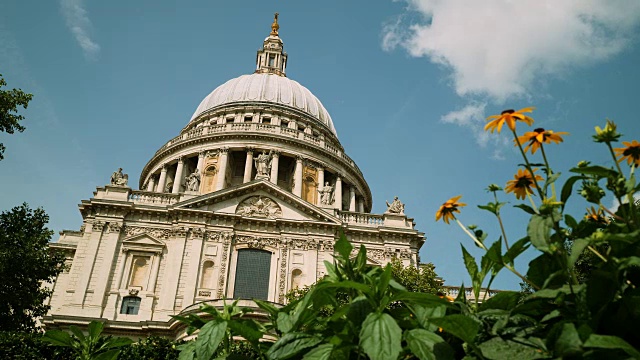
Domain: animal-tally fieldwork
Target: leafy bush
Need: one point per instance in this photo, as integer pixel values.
(29, 346)
(584, 301)
(151, 348)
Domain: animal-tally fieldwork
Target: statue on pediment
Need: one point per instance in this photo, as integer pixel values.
(396, 207)
(263, 165)
(193, 180)
(119, 179)
(326, 195)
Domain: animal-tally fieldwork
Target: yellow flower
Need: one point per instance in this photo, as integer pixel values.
(510, 117)
(596, 215)
(608, 134)
(538, 137)
(521, 183)
(448, 208)
(631, 152)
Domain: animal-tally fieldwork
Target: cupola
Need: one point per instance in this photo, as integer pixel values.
(272, 59)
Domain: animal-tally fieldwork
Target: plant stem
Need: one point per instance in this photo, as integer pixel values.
(527, 164)
(609, 212)
(549, 171)
(533, 204)
(629, 196)
(597, 253)
(504, 234)
(473, 237)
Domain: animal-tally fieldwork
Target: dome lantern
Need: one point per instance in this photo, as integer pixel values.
(272, 59)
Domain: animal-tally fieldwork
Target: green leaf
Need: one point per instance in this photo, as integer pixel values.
(343, 247)
(611, 342)
(331, 270)
(117, 342)
(567, 188)
(550, 180)
(423, 299)
(498, 348)
(361, 259)
(58, 338)
(322, 352)
(266, 306)
(95, 329)
(427, 345)
(284, 322)
(504, 300)
(599, 171)
(423, 314)
(77, 332)
(209, 338)
(516, 249)
(470, 264)
(568, 343)
(528, 209)
(291, 344)
(570, 221)
(539, 231)
(381, 337)
(187, 351)
(108, 355)
(246, 329)
(458, 325)
(576, 250)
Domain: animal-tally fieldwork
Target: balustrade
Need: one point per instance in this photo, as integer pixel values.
(362, 219)
(147, 197)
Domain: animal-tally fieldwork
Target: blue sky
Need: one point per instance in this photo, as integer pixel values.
(407, 83)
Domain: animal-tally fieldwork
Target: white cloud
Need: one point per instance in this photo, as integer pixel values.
(78, 22)
(471, 117)
(615, 204)
(500, 48)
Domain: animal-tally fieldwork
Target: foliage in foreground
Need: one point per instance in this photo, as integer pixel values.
(581, 306)
(92, 346)
(25, 264)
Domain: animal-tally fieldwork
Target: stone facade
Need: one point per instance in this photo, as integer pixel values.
(257, 177)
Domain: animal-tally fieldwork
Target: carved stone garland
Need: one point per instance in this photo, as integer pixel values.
(283, 273)
(155, 232)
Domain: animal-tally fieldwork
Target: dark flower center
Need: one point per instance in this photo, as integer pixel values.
(539, 130)
(508, 111)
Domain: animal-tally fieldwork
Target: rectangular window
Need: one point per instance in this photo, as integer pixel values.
(248, 119)
(266, 120)
(130, 305)
(272, 60)
(229, 120)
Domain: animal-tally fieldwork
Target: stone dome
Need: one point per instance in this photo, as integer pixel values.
(266, 88)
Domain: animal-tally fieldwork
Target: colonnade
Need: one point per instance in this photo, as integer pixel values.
(354, 203)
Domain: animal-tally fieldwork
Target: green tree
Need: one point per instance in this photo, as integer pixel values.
(10, 100)
(88, 347)
(26, 262)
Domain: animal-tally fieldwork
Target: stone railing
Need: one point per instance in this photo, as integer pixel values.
(148, 197)
(261, 128)
(362, 219)
(453, 291)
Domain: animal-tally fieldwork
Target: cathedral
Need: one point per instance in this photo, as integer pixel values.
(244, 203)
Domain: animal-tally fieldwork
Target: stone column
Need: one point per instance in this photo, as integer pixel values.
(361, 205)
(338, 192)
(222, 167)
(200, 161)
(297, 177)
(177, 180)
(163, 179)
(275, 160)
(152, 182)
(320, 184)
(248, 165)
(107, 251)
(153, 278)
(167, 297)
(352, 198)
(86, 266)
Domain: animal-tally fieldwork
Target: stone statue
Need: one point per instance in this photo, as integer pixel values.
(326, 194)
(119, 179)
(193, 181)
(396, 207)
(259, 206)
(263, 165)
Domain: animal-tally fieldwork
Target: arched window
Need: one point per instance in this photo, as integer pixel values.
(130, 305)
(296, 279)
(206, 280)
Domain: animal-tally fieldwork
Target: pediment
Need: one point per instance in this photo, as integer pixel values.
(259, 199)
(142, 242)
